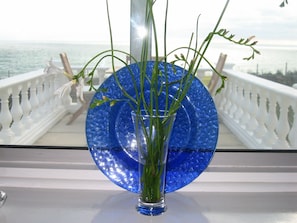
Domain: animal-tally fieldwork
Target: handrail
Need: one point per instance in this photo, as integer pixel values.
(261, 113)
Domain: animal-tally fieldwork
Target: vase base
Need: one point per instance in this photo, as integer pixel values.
(151, 209)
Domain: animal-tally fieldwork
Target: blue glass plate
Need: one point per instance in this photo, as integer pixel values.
(111, 140)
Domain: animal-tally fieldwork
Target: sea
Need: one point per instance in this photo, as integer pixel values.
(18, 57)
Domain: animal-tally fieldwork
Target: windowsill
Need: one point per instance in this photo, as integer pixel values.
(46, 185)
(229, 171)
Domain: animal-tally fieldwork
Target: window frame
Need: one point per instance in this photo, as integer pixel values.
(229, 171)
(73, 168)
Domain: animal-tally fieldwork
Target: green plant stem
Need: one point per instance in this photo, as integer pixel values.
(153, 168)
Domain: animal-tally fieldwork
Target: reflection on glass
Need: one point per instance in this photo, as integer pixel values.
(3, 197)
(258, 106)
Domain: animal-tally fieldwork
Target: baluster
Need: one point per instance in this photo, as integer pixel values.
(6, 134)
(17, 111)
(228, 103)
(26, 106)
(220, 99)
(253, 124)
(282, 128)
(245, 118)
(240, 103)
(261, 115)
(293, 132)
(41, 96)
(34, 100)
(271, 119)
(46, 94)
(49, 93)
(234, 98)
(52, 92)
(57, 84)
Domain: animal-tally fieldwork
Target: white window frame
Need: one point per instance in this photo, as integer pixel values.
(67, 168)
(229, 171)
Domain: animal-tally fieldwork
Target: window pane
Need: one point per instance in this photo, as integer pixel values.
(260, 113)
(34, 33)
(257, 113)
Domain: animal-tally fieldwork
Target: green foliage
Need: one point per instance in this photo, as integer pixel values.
(284, 3)
(289, 78)
(192, 59)
(243, 42)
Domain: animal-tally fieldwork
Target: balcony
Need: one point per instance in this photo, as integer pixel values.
(254, 113)
(236, 186)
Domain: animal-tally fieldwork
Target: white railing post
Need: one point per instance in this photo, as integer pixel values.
(234, 95)
(50, 92)
(221, 98)
(282, 128)
(34, 99)
(6, 134)
(253, 124)
(245, 118)
(240, 103)
(228, 103)
(44, 95)
(270, 122)
(17, 111)
(27, 119)
(293, 133)
(261, 113)
(29, 106)
(40, 96)
(46, 92)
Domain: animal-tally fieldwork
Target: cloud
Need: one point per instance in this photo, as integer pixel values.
(86, 20)
(58, 19)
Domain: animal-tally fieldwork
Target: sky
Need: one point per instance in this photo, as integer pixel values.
(86, 20)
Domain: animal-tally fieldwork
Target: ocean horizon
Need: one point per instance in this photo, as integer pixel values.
(22, 57)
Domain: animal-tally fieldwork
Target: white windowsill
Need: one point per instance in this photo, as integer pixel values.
(65, 186)
(74, 169)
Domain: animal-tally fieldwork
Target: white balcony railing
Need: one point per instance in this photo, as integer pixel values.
(261, 113)
(29, 106)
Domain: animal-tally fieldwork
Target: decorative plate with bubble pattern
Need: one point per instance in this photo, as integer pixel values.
(111, 139)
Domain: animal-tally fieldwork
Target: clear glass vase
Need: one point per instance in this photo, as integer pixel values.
(152, 134)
